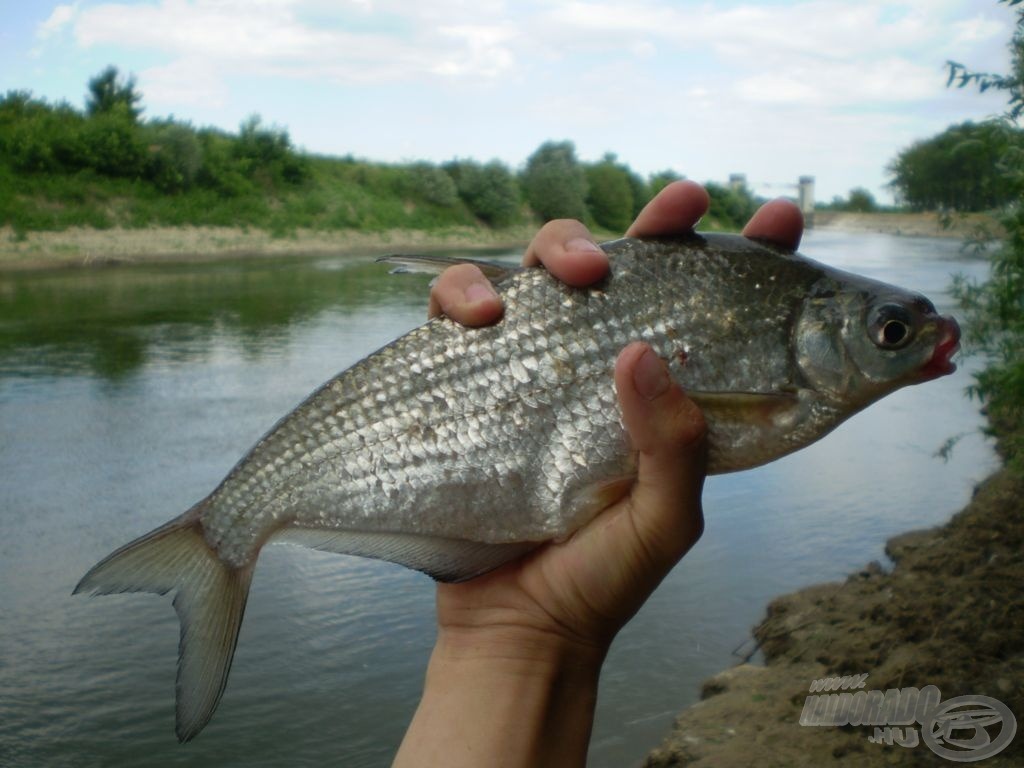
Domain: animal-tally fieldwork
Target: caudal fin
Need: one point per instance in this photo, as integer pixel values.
(210, 601)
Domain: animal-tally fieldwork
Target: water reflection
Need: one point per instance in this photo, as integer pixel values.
(109, 321)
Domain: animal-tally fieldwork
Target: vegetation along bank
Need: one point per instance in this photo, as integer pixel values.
(950, 612)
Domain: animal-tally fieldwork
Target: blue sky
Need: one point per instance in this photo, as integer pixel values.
(831, 88)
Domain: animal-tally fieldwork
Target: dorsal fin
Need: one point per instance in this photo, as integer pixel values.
(434, 265)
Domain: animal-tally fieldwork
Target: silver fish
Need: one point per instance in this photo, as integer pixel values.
(453, 450)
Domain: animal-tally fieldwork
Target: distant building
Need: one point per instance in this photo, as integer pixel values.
(805, 199)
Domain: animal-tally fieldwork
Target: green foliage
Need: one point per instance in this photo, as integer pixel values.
(610, 194)
(861, 201)
(38, 138)
(174, 155)
(995, 307)
(1012, 84)
(103, 167)
(266, 155)
(959, 169)
(427, 183)
(554, 182)
(731, 208)
(112, 145)
(489, 191)
(109, 93)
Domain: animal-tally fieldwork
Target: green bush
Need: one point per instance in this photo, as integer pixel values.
(112, 145)
(427, 183)
(554, 182)
(732, 208)
(174, 155)
(610, 194)
(265, 154)
(995, 307)
(489, 191)
(959, 169)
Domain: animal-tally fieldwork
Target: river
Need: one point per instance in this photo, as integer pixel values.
(126, 393)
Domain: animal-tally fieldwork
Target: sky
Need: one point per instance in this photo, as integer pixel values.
(775, 90)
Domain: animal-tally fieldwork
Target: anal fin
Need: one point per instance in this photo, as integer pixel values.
(441, 558)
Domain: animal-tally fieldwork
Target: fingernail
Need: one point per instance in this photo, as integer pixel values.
(650, 376)
(477, 292)
(581, 244)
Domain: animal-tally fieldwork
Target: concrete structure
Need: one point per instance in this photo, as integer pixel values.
(805, 199)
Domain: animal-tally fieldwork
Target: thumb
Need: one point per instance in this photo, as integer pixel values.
(667, 431)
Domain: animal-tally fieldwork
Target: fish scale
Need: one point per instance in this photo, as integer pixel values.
(453, 450)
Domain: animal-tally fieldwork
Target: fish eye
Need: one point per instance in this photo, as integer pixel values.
(891, 327)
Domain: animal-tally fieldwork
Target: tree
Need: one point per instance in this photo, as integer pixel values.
(995, 307)
(554, 182)
(732, 207)
(489, 191)
(610, 194)
(427, 182)
(109, 93)
(265, 153)
(959, 169)
(861, 201)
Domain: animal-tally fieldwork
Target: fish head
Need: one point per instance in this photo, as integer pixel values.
(858, 342)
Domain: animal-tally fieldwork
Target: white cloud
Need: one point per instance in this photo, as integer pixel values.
(479, 50)
(60, 18)
(807, 51)
(828, 84)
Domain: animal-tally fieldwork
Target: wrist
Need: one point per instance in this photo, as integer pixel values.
(503, 691)
(517, 647)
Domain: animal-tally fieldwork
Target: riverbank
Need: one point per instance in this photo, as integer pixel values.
(84, 246)
(950, 613)
(924, 224)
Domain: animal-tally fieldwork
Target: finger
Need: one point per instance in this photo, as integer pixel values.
(778, 221)
(674, 210)
(667, 430)
(465, 295)
(567, 250)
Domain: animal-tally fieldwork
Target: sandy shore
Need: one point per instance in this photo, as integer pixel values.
(85, 247)
(907, 224)
(950, 613)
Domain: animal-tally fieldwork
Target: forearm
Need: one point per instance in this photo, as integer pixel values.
(505, 701)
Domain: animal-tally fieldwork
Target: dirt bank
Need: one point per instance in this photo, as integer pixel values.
(950, 613)
(84, 246)
(908, 224)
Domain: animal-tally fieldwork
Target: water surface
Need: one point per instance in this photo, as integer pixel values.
(126, 393)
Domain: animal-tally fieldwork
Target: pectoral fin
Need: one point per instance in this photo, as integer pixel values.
(745, 407)
(435, 265)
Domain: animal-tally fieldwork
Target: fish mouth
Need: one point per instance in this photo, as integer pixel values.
(941, 362)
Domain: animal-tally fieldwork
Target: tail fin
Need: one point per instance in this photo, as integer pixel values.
(210, 602)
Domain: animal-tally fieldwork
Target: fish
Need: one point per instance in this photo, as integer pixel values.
(454, 450)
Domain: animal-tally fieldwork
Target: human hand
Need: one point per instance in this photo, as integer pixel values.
(586, 588)
(513, 676)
